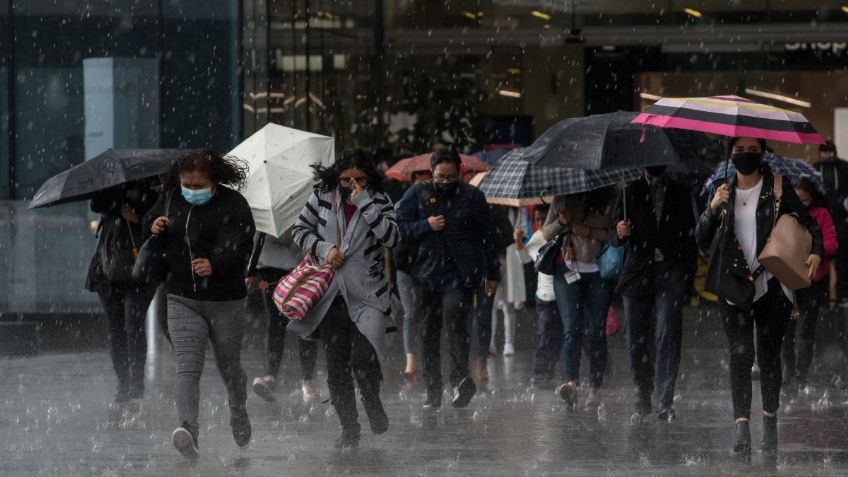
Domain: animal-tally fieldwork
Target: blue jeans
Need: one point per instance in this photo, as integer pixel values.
(583, 308)
(653, 327)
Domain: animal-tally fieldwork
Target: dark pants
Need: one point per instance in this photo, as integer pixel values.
(583, 307)
(549, 333)
(275, 332)
(840, 264)
(796, 365)
(450, 307)
(770, 313)
(483, 312)
(653, 327)
(126, 309)
(350, 357)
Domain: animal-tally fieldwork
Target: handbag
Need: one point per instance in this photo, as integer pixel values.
(788, 246)
(150, 265)
(546, 260)
(117, 254)
(610, 261)
(301, 289)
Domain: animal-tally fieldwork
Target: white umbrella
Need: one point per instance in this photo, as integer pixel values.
(280, 177)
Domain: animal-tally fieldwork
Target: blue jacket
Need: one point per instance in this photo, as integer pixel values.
(465, 252)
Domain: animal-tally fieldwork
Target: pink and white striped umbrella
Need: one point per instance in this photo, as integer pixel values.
(731, 116)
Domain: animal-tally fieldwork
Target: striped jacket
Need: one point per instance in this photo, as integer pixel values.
(361, 281)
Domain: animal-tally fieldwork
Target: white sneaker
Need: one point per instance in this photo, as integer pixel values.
(509, 349)
(264, 387)
(184, 442)
(310, 391)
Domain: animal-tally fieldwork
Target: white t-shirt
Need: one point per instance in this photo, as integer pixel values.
(545, 283)
(745, 224)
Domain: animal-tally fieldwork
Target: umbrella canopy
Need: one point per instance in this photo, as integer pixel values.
(113, 167)
(405, 168)
(611, 140)
(515, 181)
(280, 178)
(794, 169)
(731, 116)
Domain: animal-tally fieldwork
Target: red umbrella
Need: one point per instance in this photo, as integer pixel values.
(404, 168)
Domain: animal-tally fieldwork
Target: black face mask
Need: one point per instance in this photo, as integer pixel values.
(746, 163)
(655, 171)
(446, 188)
(345, 192)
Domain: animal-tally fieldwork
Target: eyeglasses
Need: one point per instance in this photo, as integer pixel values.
(348, 181)
(445, 179)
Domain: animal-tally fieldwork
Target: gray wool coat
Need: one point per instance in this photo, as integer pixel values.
(361, 281)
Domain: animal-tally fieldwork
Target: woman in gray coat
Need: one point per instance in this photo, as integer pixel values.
(347, 223)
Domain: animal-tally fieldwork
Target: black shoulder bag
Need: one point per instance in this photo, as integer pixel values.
(150, 265)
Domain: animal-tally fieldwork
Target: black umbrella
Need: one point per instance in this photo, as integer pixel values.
(610, 140)
(113, 167)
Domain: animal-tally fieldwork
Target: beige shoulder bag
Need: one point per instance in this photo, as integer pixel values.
(788, 246)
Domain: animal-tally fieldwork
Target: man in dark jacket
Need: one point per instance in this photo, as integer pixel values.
(450, 222)
(834, 172)
(658, 233)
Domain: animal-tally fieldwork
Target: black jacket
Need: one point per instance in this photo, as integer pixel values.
(465, 252)
(727, 260)
(115, 234)
(220, 230)
(835, 179)
(674, 235)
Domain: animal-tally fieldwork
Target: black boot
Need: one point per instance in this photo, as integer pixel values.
(349, 438)
(376, 414)
(769, 434)
(743, 438)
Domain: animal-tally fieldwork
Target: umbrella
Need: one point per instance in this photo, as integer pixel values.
(611, 140)
(794, 169)
(731, 116)
(281, 177)
(113, 167)
(404, 168)
(514, 181)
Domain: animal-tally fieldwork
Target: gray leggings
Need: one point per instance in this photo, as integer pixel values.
(408, 291)
(191, 324)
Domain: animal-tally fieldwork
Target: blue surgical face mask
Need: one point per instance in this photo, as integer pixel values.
(197, 196)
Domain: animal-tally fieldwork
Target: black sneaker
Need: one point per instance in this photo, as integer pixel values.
(376, 415)
(742, 447)
(433, 401)
(769, 434)
(463, 392)
(349, 439)
(568, 393)
(242, 432)
(186, 443)
(668, 415)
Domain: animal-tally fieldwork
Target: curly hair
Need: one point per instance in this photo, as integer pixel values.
(227, 170)
(327, 177)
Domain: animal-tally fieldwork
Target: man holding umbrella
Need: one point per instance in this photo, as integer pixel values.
(656, 225)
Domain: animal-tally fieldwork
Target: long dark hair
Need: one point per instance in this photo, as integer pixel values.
(227, 170)
(808, 186)
(327, 177)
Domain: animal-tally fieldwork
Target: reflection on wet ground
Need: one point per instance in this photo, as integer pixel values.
(54, 421)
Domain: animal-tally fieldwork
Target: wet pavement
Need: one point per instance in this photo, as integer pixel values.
(54, 421)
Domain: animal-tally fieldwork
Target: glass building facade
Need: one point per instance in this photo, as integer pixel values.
(77, 76)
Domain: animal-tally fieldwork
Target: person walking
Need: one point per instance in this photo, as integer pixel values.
(346, 223)
(511, 293)
(834, 174)
(125, 301)
(656, 226)
(583, 221)
(449, 221)
(548, 324)
(208, 233)
(809, 300)
(276, 258)
(735, 227)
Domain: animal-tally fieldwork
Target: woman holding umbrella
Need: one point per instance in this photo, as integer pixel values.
(124, 300)
(207, 230)
(736, 225)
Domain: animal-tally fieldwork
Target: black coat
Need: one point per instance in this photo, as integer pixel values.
(835, 179)
(221, 231)
(673, 235)
(727, 260)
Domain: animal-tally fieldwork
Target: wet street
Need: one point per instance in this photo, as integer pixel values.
(54, 421)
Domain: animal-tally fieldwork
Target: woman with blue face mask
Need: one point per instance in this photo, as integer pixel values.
(208, 231)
